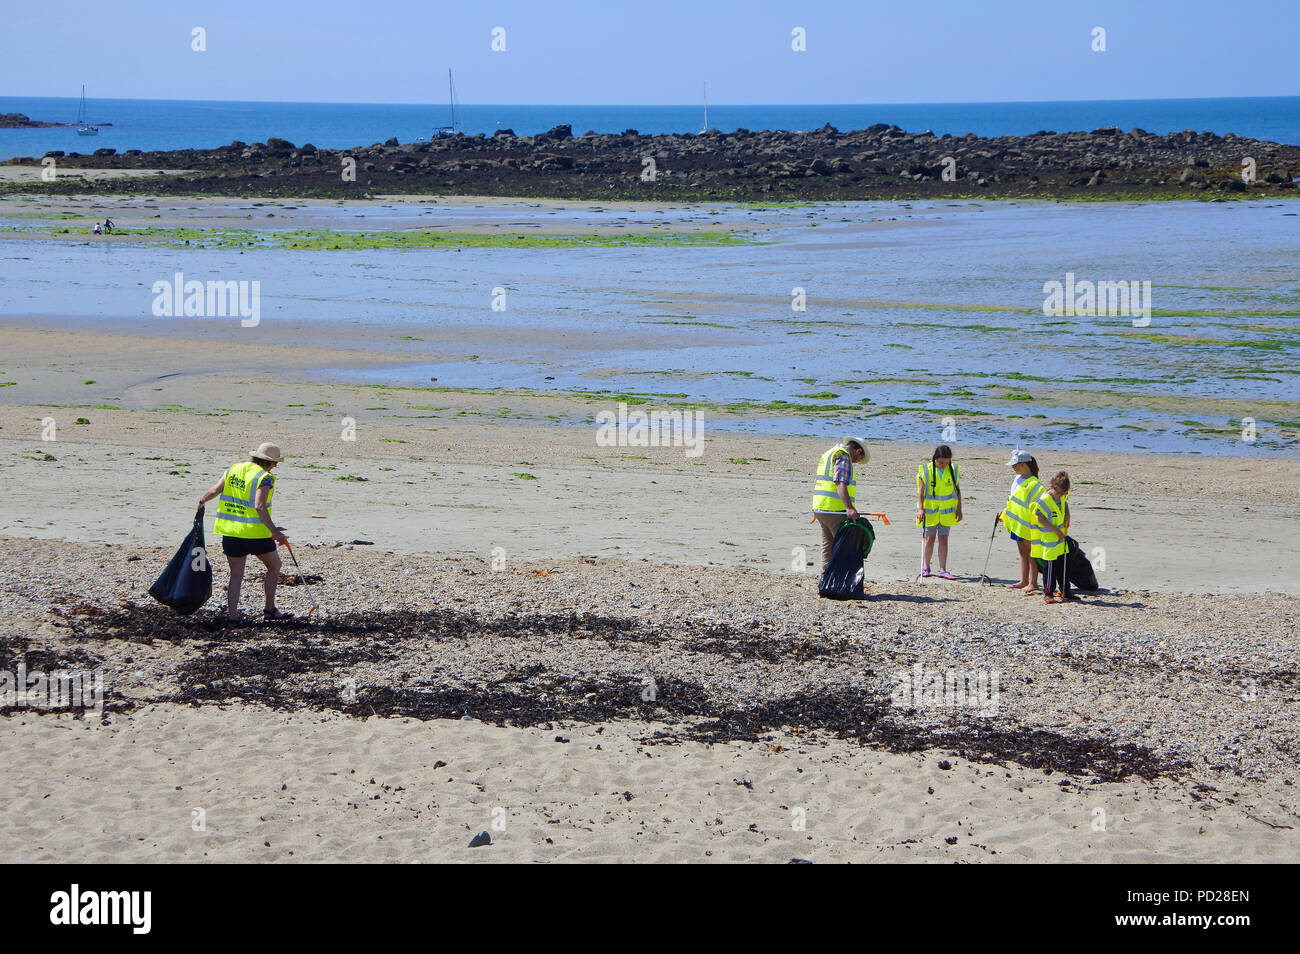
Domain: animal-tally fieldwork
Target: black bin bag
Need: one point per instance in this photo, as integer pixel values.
(186, 584)
(842, 577)
(1079, 568)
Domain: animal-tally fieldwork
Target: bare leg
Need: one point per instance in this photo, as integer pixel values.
(1033, 573)
(272, 563)
(943, 553)
(236, 582)
(1022, 546)
(929, 550)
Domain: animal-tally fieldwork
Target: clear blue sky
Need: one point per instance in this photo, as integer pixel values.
(650, 51)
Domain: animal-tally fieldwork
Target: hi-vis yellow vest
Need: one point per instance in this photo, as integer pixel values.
(824, 495)
(1045, 545)
(237, 511)
(941, 500)
(1017, 515)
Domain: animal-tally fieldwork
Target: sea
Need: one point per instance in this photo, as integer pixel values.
(916, 313)
(201, 124)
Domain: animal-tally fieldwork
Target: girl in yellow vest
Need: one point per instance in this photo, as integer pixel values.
(1017, 517)
(245, 525)
(1052, 514)
(938, 506)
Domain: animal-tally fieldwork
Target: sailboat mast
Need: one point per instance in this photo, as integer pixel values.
(451, 98)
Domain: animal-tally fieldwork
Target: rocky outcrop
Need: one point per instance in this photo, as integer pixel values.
(882, 161)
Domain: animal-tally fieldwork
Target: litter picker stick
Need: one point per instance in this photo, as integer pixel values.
(984, 573)
(921, 572)
(302, 576)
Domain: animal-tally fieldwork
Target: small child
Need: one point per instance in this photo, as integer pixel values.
(938, 506)
(1052, 513)
(1017, 517)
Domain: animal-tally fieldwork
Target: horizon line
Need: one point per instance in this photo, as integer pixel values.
(438, 104)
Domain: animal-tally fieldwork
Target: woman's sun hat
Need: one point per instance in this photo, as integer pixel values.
(268, 452)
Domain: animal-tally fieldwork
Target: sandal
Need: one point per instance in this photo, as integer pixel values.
(945, 575)
(1050, 599)
(276, 614)
(925, 571)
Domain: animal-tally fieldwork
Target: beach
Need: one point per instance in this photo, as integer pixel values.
(617, 653)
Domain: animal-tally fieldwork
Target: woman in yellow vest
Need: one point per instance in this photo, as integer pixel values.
(835, 489)
(938, 506)
(245, 524)
(1018, 519)
(1052, 515)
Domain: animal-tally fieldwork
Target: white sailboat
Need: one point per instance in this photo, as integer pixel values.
(84, 128)
(446, 132)
(705, 127)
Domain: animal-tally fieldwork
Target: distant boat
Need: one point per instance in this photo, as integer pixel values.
(705, 127)
(84, 128)
(446, 132)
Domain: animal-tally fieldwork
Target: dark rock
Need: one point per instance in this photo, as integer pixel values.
(481, 839)
(391, 141)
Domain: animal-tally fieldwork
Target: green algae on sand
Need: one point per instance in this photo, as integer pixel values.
(336, 240)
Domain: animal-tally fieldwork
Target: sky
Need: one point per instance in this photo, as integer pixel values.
(637, 52)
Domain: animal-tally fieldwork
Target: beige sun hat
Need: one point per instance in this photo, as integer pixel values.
(268, 452)
(866, 454)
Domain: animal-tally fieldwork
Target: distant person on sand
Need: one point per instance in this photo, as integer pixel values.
(835, 489)
(1018, 517)
(108, 224)
(245, 524)
(1052, 515)
(938, 506)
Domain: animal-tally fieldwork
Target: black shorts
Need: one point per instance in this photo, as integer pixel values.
(246, 546)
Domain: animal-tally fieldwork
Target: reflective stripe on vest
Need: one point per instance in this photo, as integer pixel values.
(825, 497)
(237, 508)
(941, 502)
(1016, 516)
(1045, 545)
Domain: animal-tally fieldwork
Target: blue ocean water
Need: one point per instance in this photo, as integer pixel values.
(171, 124)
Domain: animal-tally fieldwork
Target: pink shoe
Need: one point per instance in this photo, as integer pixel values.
(925, 571)
(945, 575)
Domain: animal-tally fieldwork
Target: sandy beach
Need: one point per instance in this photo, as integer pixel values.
(602, 653)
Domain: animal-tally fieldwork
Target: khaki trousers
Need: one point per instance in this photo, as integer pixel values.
(830, 524)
